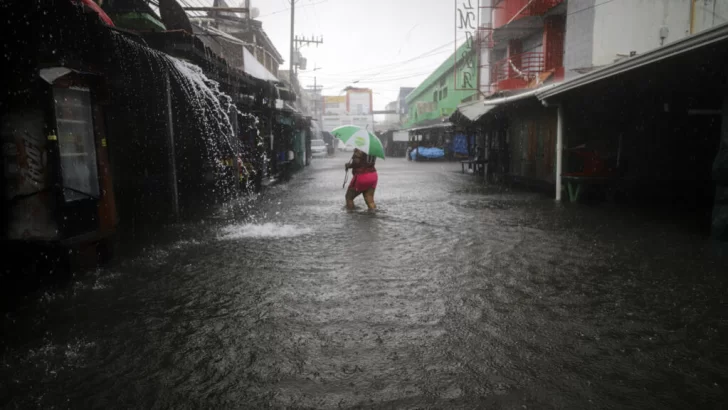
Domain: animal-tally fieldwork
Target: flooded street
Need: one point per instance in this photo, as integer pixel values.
(452, 295)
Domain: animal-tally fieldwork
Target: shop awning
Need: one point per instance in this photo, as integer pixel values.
(474, 110)
(253, 67)
(431, 127)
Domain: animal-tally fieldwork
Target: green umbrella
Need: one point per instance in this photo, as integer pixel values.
(360, 138)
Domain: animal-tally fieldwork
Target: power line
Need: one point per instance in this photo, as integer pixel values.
(315, 13)
(590, 7)
(393, 76)
(287, 9)
(400, 71)
(373, 71)
(388, 80)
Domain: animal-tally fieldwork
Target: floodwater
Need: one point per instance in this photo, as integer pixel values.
(452, 296)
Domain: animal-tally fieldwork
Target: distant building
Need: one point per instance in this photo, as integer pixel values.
(402, 106)
(392, 119)
(354, 108)
(359, 101)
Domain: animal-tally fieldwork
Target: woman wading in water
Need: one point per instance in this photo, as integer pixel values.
(364, 181)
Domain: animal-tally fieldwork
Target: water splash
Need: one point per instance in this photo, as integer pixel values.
(266, 230)
(203, 109)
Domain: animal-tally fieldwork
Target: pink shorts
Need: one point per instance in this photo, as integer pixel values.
(364, 182)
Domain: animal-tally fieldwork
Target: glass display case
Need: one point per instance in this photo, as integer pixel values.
(77, 150)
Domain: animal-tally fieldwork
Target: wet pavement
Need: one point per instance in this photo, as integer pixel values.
(452, 295)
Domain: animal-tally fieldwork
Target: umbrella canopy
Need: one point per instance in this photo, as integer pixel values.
(361, 139)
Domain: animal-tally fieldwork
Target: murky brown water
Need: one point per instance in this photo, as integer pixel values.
(451, 296)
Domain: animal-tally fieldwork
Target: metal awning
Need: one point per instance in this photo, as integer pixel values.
(430, 127)
(474, 110)
(699, 40)
(253, 67)
(520, 96)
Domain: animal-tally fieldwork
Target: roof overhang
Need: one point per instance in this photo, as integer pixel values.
(700, 40)
(474, 110)
(520, 96)
(431, 127)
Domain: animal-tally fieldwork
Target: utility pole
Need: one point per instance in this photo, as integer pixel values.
(317, 100)
(290, 62)
(298, 41)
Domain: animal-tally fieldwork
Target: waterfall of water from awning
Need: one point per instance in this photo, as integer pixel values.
(212, 108)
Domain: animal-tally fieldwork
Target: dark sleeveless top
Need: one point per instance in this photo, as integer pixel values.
(362, 163)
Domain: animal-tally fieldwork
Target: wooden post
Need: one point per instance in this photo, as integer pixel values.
(171, 151)
(559, 148)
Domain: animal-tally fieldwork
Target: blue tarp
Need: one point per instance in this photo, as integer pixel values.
(431, 153)
(459, 144)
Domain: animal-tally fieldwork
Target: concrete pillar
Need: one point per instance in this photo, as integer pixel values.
(720, 176)
(559, 149)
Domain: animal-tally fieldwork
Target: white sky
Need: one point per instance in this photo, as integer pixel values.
(364, 40)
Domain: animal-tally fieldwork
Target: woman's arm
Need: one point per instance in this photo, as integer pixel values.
(355, 162)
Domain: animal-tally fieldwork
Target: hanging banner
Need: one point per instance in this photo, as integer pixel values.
(425, 107)
(465, 59)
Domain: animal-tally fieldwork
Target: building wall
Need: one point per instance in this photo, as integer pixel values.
(579, 41)
(334, 105)
(436, 97)
(359, 102)
(598, 33)
(623, 26)
(428, 107)
(710, 13)
(392, 118)
(329, 122)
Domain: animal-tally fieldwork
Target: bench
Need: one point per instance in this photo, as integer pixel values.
(577, 184)
(478, 164)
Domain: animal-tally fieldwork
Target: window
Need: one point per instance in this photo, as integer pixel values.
(360, 109)
(434, 96)
(444, 92)
(439, 95)
(76, 143)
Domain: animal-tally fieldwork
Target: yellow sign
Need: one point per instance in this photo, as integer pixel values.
(52, 137)
(103, 142)
(334, 99)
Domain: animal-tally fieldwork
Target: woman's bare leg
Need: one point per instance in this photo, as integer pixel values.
(369, 198)
(350, 195)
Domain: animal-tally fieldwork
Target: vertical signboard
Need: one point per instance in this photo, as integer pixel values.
(465, 59)
(28, 196)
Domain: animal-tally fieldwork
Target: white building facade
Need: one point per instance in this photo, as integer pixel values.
(354, 108)
(601, 33)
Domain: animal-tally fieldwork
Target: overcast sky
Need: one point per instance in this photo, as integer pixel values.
(365, 40)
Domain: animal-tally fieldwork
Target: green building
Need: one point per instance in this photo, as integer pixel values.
(438, 96)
